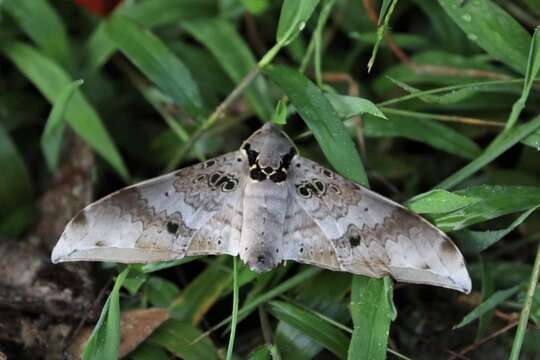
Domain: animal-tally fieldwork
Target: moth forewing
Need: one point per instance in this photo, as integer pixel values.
(268, 204)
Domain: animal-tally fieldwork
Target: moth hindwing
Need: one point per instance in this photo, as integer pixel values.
(266, 204)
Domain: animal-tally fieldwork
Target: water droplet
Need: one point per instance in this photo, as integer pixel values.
(472, 37)
(302, 25)
(466, 17)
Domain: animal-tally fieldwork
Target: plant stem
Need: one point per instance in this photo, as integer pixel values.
(246, 81)
(525, 312)
(234, 310)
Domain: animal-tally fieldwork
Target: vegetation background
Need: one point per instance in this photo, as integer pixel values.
(96, 94)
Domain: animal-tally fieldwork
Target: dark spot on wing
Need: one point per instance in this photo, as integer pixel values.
(172, 227)
(354, 241)
(100, 243)
(209, 163)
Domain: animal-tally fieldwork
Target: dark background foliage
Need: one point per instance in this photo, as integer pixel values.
(446, 122)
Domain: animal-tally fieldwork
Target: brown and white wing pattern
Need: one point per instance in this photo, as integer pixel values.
(337, 224)
(196, 210)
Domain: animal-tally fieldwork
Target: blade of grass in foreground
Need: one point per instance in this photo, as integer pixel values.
(51, 139)
(234, 318)
(372, 310)
(322, 119)
(533, 66)
(526, 310)
(264, 297)
(105, 339)
(501, 144)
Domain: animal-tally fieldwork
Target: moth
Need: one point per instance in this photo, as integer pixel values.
(267, 204)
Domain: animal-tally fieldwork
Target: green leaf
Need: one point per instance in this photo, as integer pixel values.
(105, 338)
(412, 126)
(372, 310)
(448, 98)
(260, 353)
(135, 280)
(387, 9)
(323, 121)
(326, 294)
(280, 113)
(149, 14)
(150, 268)
(492, 202)
(474, 242)
(160, 292)
(487, 25)
(51, 139)
(533, 66)
(292, 19)
(320, 330)
(51, 79)
(256, 7)
(438, 201)
(502, 143)
(286, 285)
(533, 140)
(232, 53)
(349, 106)
(148, 352)
(39, 20)
(16, 188)
(157, 62)
(490, 303)
(178, 338)
(201, 294)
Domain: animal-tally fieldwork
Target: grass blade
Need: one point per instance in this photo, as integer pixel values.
(502, 143)
(51, 139)
(292, 19)
(372, 310)
(322, 119)
(157, 62)
(16, 189)
(526, 310)
(312, 325)
(39, 20)
(50, 79)
(490, 303)
(533, 66)
(105, 338)
(179, 338)
(234, 315)
(232, 53)
(490, 27)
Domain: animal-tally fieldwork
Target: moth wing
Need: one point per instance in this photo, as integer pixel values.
(369, 234)
(161, 219)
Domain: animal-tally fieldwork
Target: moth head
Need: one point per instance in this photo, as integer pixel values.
(269, 148)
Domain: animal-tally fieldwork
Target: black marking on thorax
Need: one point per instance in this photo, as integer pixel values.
(260, 174)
